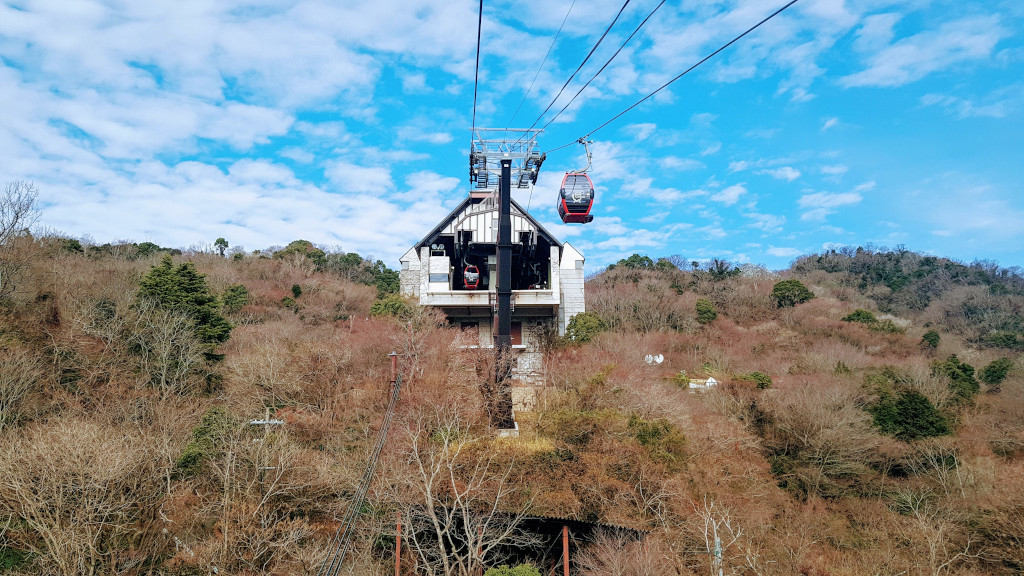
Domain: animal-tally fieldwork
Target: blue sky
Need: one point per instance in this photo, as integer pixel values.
(840, 122)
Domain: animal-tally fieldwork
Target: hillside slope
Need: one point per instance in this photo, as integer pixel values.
(843, 437)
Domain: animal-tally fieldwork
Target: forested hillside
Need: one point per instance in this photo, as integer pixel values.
(869, 418)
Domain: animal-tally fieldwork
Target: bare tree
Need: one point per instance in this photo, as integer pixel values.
(20, 371)
(939, 528)
(461, 504)
(82, 496)
(258, 482)
(616, 554)
(169, 350)
(720, 531)
(17, 214)
(825, 429)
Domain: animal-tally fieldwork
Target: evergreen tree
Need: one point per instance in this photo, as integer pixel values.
(184, 289)
(789, 293)
(706, 312)
(909, 415)
(997, 370)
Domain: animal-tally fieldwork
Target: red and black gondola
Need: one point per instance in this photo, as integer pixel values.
(471, 278)
(576, 198)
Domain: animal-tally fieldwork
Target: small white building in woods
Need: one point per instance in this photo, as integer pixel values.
(454, 268)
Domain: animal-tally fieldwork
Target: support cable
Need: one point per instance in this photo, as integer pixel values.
(598, 73)
(343, 536)
(476, 76)
(684, 73)
(544, 61)
(580, 67)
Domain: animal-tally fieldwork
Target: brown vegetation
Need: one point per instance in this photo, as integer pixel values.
(126, 444)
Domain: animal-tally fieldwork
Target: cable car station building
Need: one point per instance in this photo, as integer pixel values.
(547, 275)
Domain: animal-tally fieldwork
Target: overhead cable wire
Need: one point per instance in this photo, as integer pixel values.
(476, 76)
(598, 73)
(542, 63)
(343, 536)
(684, 73)
(580, 67)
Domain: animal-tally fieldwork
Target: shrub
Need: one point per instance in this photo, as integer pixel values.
(391, 305)
(930, 339)
(860, 315)
(706, 312)
(996, 371)
(961, 375)
(584, 326)
(762, 380)
(213, 429)
(296, 290)
(887, 326)
(789, 293)
(520, 570)
(662, 440)
(1004, 339)
(908, 415)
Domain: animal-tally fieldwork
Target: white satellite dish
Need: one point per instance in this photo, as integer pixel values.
(659, 359)
(649, 359)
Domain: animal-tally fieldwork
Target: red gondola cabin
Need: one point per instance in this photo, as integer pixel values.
(471, 278)
(576, 198)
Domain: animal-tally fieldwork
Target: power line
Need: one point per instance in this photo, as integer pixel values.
(544, 61)
(684, 73)
(580, 67)
(598, 73)
(476, 78)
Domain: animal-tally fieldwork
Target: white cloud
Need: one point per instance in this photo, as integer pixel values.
(779, 252)
(711, 148)
(641, 131)
(820, 204)
(738, 165)
(415, 83)
(730, 195)
(876, 32)
(787, 173)
(998, 104)
(420, 134)
(915, 57)
(349, 177)
(680, 164)
(703, 119)
(834, 169)
(829, 123)
(769, 223)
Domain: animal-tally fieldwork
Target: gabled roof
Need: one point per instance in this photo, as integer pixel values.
(426, 240)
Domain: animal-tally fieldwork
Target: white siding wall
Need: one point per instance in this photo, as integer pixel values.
(570, 272)
(409, 275)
